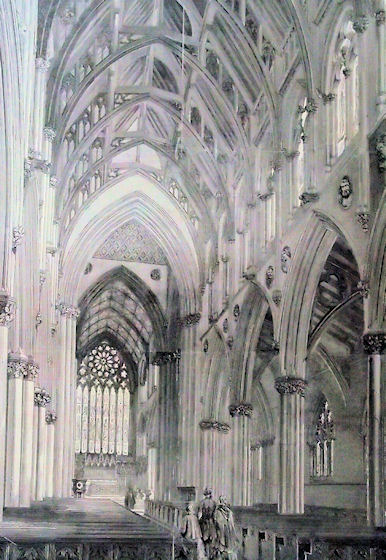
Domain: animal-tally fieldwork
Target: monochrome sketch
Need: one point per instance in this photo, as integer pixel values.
(192, 279)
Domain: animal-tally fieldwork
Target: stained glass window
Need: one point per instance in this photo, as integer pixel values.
(103, 405)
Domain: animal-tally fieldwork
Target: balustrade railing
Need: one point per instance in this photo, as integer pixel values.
(321, 533)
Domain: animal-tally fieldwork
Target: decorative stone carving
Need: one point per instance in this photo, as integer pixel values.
(326, 97)
(269, 276)
(236, 312)
(132, 242)
(363, 287)
(241, 409)
(380, 17)
(42, 65)
(262, 443)
(360, 24)
(363, 218)
(213, 318)
(51, 417)
(38, 319)
(41, 397)
(49, 133)
(308, 197)
(162, 358)
(380, 149)
(285, 259)
(230, 342)
(155, 274)
(205, 346)
(214, 425)
(189, 320)
(17, 367)
(33, 370)
(290, 385)
(225, 325)
(18, 233)
(345, 193)
(7, 310)
(374, 342)
(276, 297)
(68, 311)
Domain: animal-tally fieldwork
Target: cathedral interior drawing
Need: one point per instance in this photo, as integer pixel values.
(192, 279)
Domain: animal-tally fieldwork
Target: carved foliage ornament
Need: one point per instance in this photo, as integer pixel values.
(18, 233)
(17, 368)
(214, 425)
(374, 342)
(68, 311)
(51, 417)
(189, 320)
(7, 310)
(276, 297)
(162, 358)
(42, 397)
(290, 386)
(241, 409)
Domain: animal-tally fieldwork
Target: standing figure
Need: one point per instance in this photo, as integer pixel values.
(226, 537)
(206, 510)
(190, 529)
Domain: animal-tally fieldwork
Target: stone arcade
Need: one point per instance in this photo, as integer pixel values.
(192, 275)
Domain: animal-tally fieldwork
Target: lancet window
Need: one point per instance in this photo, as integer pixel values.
(322, 448)
(102, 404)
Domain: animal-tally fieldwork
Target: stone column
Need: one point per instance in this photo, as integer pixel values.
(27, 434)
(17, 369)
(50, 421)
(64, 444)
(241, 414)
(375, 344)
(188, 432)
(7, 314)
(42, 398)
(291, 460)
(169, 372)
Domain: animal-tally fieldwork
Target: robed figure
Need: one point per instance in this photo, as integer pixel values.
(190, 529)
(206, 510)
(226, 538)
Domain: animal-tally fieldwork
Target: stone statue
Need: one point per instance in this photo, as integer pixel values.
(345, 192)
(226, 538)
(206, 510)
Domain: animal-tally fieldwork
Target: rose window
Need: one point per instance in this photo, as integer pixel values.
(103, 405)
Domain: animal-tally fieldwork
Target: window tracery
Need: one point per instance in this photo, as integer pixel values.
(322, 447)
(102, 405)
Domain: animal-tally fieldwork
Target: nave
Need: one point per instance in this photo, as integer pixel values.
(193, 271)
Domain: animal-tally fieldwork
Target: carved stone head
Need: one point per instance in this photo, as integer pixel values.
(345, 192)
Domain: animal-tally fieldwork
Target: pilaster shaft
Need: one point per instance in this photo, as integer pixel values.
(291, 459)
(375, 344)
(241, 414)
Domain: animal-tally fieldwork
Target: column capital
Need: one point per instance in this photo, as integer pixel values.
(214, 425)
(189, 320)
(42, 65)
(41, 397)
(290, 385)
(49, 133)
(17, 367)
(51, 417)
(33, 370)
(380, 17)
(241, 409)
(69, 311)
(7, 310)
(374, 342)
(162, 358)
